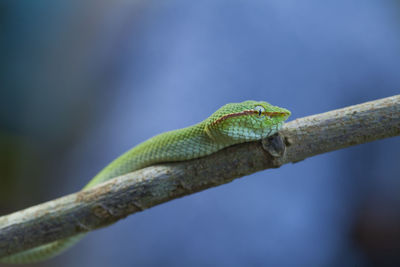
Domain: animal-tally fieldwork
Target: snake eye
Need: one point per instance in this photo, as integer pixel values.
(260, 110)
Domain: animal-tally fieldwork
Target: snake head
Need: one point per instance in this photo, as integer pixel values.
(246, 121)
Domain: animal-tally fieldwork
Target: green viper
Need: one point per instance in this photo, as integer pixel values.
(233, 123)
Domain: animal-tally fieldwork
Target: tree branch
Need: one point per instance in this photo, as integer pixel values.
(109, 202)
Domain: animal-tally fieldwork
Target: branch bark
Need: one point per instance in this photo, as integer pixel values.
(109, 202)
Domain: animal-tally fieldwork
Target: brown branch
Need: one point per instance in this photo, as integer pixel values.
(109, 202)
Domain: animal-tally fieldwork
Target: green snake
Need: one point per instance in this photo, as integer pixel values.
(231, 124)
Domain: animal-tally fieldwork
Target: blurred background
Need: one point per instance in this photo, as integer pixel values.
(82, 82)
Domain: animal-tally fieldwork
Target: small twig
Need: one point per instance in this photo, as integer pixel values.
(109, 202)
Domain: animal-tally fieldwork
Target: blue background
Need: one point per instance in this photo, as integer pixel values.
(82, 82)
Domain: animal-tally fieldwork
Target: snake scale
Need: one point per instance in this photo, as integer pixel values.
(231, 124)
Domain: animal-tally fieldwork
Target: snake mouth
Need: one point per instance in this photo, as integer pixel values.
(277, 114)
(284, 115)
(271, 114)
